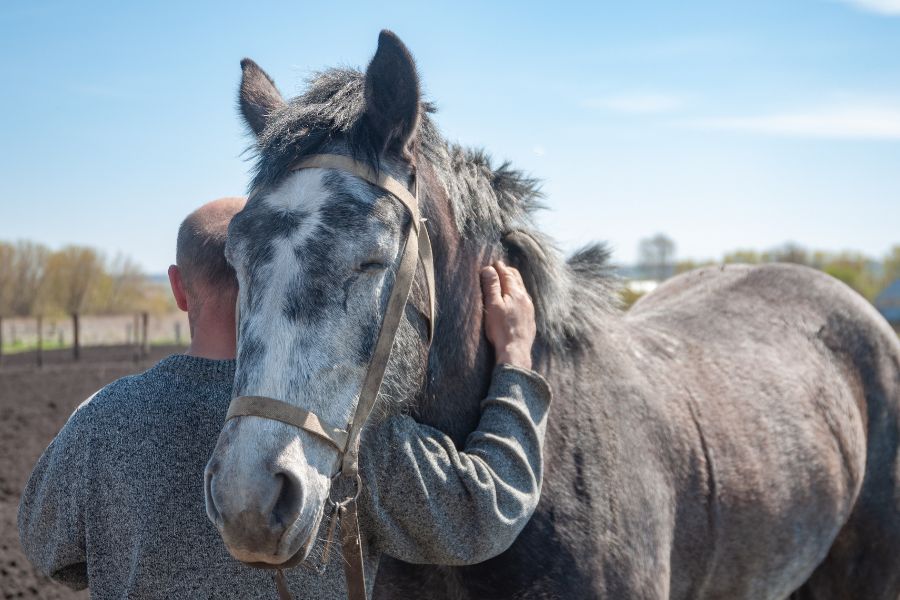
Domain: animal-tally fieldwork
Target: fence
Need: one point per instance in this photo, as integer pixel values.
(137, 331)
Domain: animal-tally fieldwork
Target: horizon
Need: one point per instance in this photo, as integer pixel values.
(725, 128)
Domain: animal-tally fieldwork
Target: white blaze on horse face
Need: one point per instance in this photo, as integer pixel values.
(315, 361)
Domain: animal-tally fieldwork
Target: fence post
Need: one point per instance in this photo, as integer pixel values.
(40, 341)
(134, 340)
(145, 339)
(1, 339)
(76, 343)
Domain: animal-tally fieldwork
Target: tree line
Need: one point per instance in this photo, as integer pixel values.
(35, 280)
(865, 274)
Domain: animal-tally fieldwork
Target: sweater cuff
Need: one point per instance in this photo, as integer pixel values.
(507, 377)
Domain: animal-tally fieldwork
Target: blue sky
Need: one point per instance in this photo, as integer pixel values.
(722, 124)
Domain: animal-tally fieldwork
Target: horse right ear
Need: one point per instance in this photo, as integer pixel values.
(258, 96)
(392, 93)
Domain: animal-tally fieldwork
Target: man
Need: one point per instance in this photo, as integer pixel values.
(116, 501)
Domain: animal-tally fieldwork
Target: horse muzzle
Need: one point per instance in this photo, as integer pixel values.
(266, 511)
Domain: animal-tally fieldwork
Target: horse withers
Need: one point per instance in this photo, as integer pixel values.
(734, 435)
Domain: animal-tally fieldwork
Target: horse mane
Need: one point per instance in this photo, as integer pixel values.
(496, 204)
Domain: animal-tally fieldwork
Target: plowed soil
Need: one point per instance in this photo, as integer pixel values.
(34, 405)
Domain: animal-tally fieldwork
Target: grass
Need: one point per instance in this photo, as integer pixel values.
(22, 346)
(53, 344)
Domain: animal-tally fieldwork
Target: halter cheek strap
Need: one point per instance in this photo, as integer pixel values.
(417, 246)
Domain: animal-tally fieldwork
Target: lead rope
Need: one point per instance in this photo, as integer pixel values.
(284, 592)
(346, 511)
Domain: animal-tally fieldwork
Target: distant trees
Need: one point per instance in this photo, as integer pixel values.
(69, 276)
(75, 279)
(747, 257)
(788, 253)
(122, 286)
(862, 273)
(891, 264)
(857, 271)
(656, 257)
(628, 296)
(7, 256)
(28, 263)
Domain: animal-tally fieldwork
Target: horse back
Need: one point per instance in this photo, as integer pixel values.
(795, 384)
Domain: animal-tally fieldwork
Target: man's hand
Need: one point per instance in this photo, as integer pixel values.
(508, 315)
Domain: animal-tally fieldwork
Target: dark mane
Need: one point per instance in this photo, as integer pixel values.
(494, 204)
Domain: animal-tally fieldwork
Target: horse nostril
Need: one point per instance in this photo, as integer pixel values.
(211, 511)
(289, 501)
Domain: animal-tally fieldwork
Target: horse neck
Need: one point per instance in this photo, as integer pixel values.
(461, 359)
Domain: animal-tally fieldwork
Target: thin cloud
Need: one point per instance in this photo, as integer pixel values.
(846, 122)
(881, 7)
(640, 103)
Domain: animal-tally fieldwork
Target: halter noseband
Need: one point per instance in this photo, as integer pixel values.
(346, 441)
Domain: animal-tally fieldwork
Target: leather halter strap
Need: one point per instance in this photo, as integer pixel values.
(418, 245)
(261, 406)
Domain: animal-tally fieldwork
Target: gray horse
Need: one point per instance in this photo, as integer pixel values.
(734, 435)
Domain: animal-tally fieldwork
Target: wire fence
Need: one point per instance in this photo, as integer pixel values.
(75, 334)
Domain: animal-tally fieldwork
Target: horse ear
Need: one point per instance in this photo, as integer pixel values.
(392, 93)
(258, 96)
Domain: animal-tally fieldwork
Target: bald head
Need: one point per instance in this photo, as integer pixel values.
(200, 251)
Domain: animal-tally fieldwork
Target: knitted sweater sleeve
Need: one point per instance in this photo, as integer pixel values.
(427, 502)
(51, 517)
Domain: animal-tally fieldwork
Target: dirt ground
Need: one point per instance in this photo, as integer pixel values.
(34, 405)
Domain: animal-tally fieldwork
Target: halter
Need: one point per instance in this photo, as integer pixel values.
(346, 440)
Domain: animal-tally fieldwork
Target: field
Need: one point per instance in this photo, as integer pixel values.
(20, 333)
(34, 405)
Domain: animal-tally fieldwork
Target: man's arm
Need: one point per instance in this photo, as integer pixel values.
(51, 518)
(434, 504)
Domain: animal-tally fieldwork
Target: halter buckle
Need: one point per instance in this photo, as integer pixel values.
(345, 493)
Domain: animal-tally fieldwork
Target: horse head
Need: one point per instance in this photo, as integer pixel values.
(316, 252)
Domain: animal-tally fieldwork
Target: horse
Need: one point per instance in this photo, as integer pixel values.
(734, 434)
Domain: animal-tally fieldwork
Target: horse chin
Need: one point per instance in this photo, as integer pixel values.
(293, 547)
(298, 541)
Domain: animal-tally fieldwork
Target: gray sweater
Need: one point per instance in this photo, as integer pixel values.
(116, 501)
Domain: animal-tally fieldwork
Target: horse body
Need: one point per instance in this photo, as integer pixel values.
(735, 430)
(712, 444)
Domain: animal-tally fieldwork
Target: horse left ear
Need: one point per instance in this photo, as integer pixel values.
(392, 93)
(258, 97)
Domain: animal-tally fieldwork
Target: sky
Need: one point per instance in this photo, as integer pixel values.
(722, 124)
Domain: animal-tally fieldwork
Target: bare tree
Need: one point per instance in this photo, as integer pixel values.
(656, 256)
(789, 253)
(891, 266)
(71, 273)
(29, 269)
(7, 277)
(126, 285)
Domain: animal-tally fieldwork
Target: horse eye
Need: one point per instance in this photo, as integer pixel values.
(368, 267)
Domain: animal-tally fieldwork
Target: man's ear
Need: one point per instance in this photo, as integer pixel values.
(258, 96)
(177, 284)
(392, 93)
